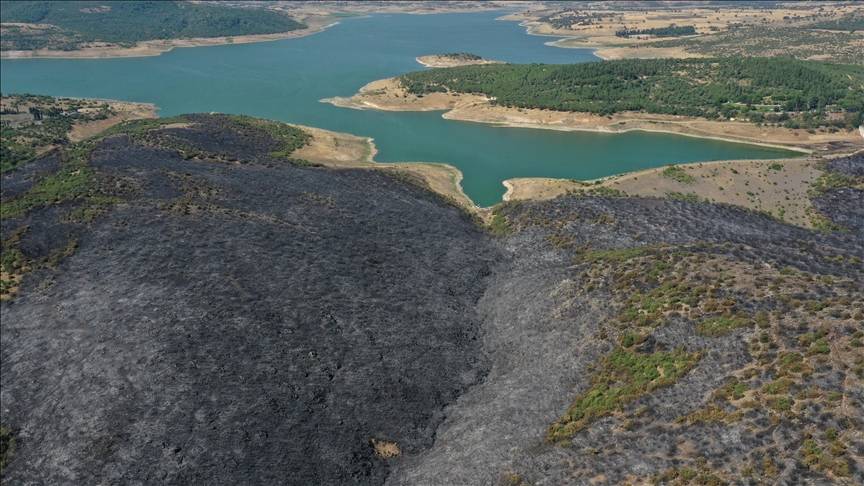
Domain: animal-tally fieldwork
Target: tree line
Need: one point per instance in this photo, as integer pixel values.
(670, 31)
(781, 90)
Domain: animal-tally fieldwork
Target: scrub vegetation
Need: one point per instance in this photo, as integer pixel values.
(782, 91)
(30, 125)
(706, 334)
(814, 41)
(623, 377)
(670, 31)
(73, 23)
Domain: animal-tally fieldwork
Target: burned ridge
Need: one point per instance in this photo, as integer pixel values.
(205, 309)
(235, 317)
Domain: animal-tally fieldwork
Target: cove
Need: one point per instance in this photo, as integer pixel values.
(284, 80)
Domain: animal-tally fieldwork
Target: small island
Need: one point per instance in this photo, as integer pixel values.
(453, 59)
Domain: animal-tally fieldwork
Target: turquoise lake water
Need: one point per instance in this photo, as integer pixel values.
(284, 80)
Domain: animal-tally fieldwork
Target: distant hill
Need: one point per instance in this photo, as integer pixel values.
(66, 25)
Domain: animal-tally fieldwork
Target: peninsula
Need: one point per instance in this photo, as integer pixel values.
(760, 101)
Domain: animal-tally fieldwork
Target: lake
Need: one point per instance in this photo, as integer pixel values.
(284, 80)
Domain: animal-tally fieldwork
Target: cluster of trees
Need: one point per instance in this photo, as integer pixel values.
(24, 39)
(130, 22)
(20, 142)
(670, 31)
(851, 22)
(712, 88)
(565, 20)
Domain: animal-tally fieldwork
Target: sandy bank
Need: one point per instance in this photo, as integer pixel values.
(342, 150)
(612, 53)
(389, 95)
(157, 47)
(439, 61)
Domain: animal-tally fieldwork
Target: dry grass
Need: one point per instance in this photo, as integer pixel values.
(758, 185)
(385, 449)
(708, 21)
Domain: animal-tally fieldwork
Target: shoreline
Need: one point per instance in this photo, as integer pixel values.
(531, 30)
(753, 184)
(780, 188)
(158, 47)
(802, 150)
(339, 150)
(389, 95)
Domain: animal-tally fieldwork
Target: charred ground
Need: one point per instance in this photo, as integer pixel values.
(215, 314)
(186, 303)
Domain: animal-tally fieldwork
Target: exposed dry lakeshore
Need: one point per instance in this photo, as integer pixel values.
(346, 151)
(390, 95)
(102, 50)
(781, 187)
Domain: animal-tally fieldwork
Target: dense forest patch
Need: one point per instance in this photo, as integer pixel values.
(764, 90)
(126, 23)
(670, 31)
(851, 22)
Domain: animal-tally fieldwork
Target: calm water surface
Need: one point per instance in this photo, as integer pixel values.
(284, 80)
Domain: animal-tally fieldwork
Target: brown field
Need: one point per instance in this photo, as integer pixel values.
(709, 22)
(777, 187)
(124, 111)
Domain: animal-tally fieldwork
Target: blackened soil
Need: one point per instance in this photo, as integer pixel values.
(843, 206)
(851, 165)
(246, 322)
(236, 319)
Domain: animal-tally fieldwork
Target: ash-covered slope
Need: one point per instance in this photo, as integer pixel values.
(640, 341)
(196, 308)
(233, 318)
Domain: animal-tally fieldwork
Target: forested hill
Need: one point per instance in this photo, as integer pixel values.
(771, 90)
(75, 22)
